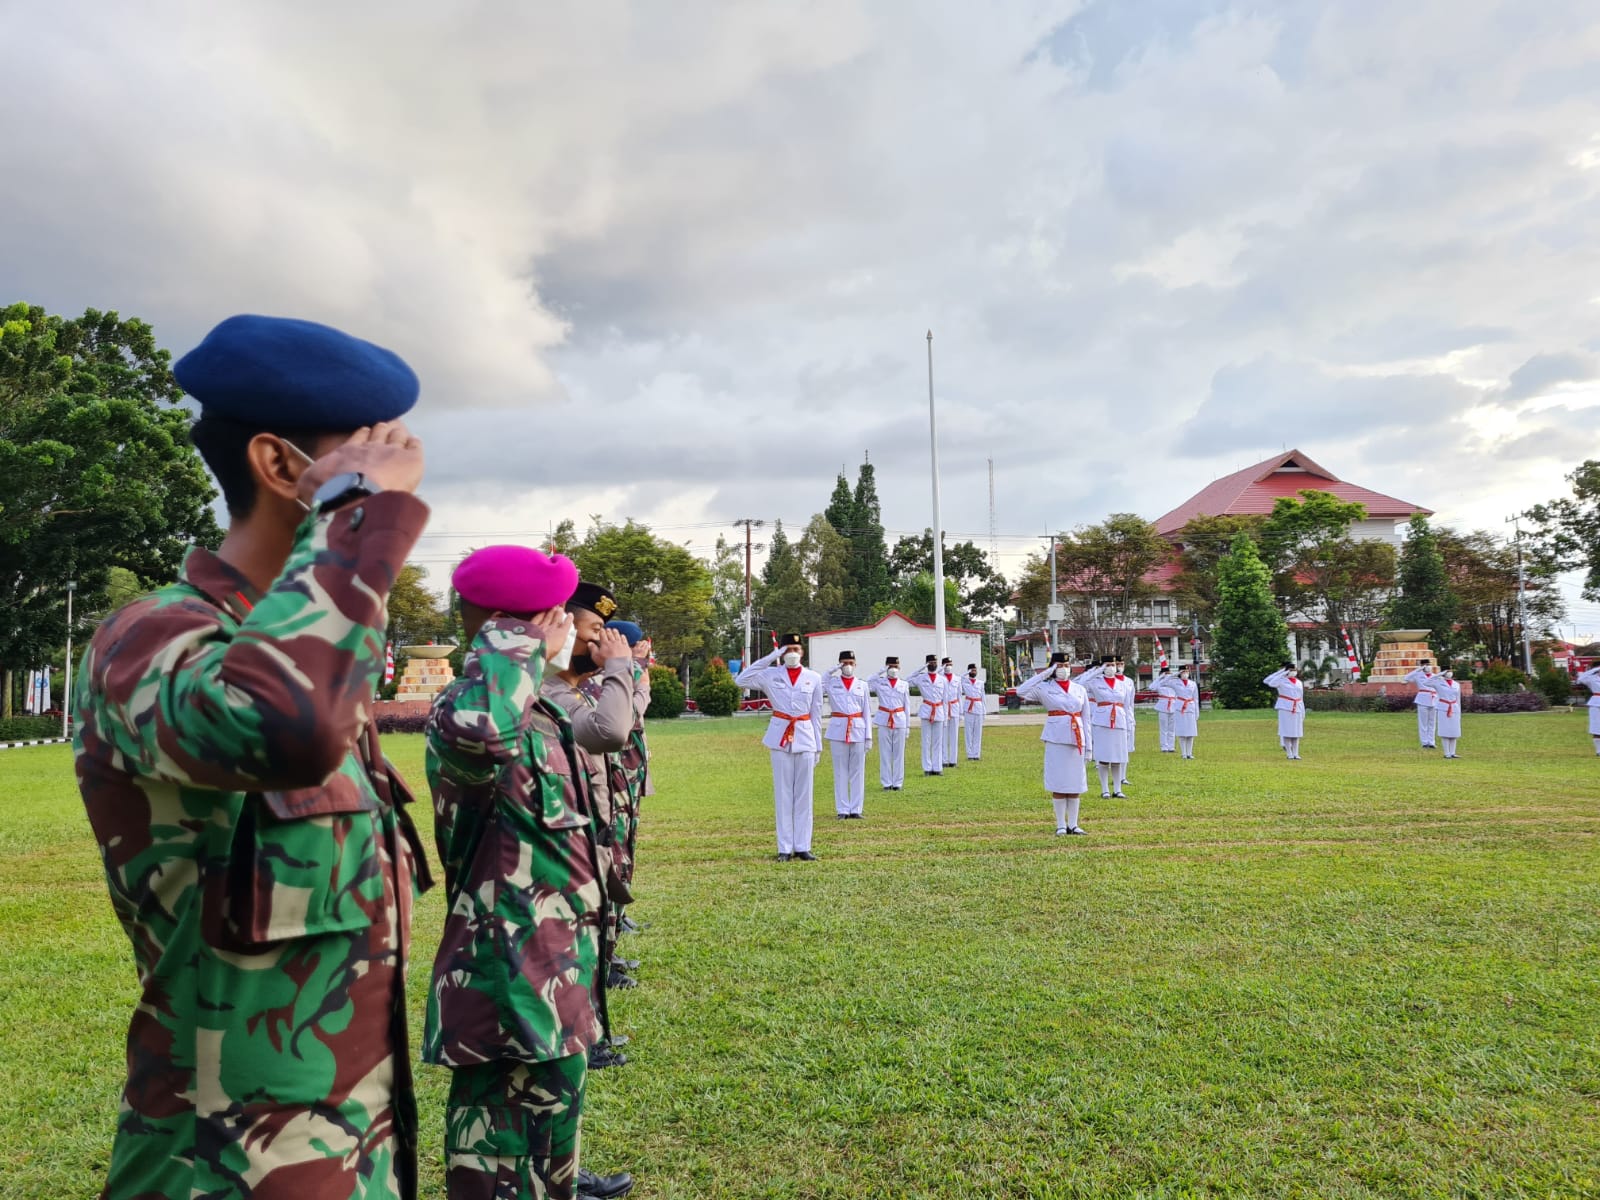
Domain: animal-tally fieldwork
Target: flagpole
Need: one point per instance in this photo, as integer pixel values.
(938, 529)
(66, 683)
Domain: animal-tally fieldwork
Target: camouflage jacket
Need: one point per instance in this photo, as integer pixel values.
(260, 861)
(601, 710)
(518, 971)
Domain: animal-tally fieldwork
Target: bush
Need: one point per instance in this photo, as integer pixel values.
(666, 694)
(1499, 676)
(1336, 701)
(403, 722)
(1551, 681)
(30, 729)
(1504, 702)
(715, 691)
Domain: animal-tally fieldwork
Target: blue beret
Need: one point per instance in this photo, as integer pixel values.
(627, 629)
(292, 374)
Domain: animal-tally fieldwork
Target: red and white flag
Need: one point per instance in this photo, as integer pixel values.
(1161, 653)
(1350, 652)
(388, 662)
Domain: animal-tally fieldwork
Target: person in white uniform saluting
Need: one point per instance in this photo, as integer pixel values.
(1291, 707)
(794, 736)
(1129, 689)
(931, 716)
(849, 736)
(952, 711)
(894, 702)
(1447, 695)
(1184, 694)
(972, 712)
(1427, 703)
(1164, 708)
(1108, 717)
(1065, 738)
(1591, 680)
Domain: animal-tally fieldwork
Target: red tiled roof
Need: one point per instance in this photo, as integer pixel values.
(1255, 489)
(894, 612)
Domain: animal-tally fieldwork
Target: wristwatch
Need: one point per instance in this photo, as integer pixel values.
(340, 490)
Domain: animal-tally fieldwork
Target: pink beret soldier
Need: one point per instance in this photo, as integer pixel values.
(515, 579)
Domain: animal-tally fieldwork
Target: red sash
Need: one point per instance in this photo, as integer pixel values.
(891, 712)
(1294, 702)
(788, 733)
(1077, 725)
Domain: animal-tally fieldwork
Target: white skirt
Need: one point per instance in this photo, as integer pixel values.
(1186, 724)
(1291, 724)
(1594, 720)
(1064, 770)
(1110, 745)
(1450, 726)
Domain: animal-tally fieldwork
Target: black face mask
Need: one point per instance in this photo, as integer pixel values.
(583, 664)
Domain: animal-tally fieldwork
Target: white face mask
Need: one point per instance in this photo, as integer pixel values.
(1111, 672)
(1063, 672)
(563, 658)
(894, 672)
(848, 670)
(792, 659)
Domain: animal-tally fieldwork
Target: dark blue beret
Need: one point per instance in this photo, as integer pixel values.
(293, 374)
(627, 629)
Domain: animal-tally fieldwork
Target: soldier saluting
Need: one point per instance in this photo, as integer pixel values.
(254, 837)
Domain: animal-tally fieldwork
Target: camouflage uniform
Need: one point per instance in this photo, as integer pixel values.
(634, 760)
(516, 1000)
(261, 864)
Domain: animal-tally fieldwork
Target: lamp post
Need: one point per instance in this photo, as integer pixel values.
(938, 529)
(66, 683)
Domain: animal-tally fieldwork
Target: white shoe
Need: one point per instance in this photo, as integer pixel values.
(1105, 795)
(1062, 832)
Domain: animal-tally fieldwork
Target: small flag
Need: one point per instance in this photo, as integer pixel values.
(1350, 652)
(1161, 653)
(388, 663)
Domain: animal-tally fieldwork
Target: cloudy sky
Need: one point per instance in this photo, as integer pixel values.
(676, 261)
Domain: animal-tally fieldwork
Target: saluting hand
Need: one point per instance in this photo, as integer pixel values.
(388, 454)
(610, 644)
(552, 625)
(641, 652)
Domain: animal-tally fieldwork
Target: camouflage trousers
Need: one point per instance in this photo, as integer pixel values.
(512, 1129)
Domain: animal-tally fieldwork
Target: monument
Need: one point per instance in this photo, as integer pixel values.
(1400, 651)
(428, 672)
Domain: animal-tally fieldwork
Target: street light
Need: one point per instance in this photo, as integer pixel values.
(66, 684)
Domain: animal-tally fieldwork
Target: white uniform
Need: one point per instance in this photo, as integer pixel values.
(931, 720)
(849, 738)
(794, 735)
(1427, 705)
(1066, 741)
(952, 715)
(1591, 680)
(1164, 710)
(892, 720)
(972, 716)
(1107, 704)
(1291, 710)
(1448, 694)
(1185, 697)
(1130, 689)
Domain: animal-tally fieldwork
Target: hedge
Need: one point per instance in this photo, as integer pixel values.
(666, 694)
(30, 729)
(402, 722)
(1493, 702)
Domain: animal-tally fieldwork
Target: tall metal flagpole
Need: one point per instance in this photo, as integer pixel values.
(938, 529)
(66, 683)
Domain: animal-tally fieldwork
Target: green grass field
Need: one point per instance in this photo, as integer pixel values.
(1371, 973)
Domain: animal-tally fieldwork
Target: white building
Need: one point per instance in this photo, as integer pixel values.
(897, 634)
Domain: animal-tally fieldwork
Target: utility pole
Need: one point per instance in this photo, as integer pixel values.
(749, 524)
(938, 528)
(1522, 596)
(1194, 649)
(66, 684)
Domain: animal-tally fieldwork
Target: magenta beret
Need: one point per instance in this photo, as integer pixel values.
(515, 579)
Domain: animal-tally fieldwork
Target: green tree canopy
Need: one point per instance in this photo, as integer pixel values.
(1205, 542)
(824, 555)
(869, 554)
(784, 597)
(726, 637)
(1102, 573)
(1424, 599)
(416, 615)
(1567, 530)
(1320, 570)
(96, 471)
(1249, 634)
(983, 591)
(658, 583)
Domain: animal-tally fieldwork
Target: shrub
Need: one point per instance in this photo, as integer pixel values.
(30, 729)
(715, 691)
(403, 722)
(1499, 676)
(1504, 702)
(1344, 702)
(1551, 681)
(666, 694)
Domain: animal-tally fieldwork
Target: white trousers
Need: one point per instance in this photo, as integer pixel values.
(933, 746)
(952, 741)
(974, 727)
(1427, 719)
(1164, 722)
(892, 756)
(792, 773)
(849, 776)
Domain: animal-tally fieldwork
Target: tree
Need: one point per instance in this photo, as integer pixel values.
(658, 583)
(824, 555)
(1249, 635)
(784, 596)
(841, 510)
(1319, 570)
(983, 590)
(1567, 530)
(715, 692)
(869, 555)
(1032, 592)
(666, 694)
(1425, 600)
(1102, 573)
(914, 598)
(726, 636)
(1482, 573)
(96, 472)
(416, 615)
(564, 538)
(1205, 542)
